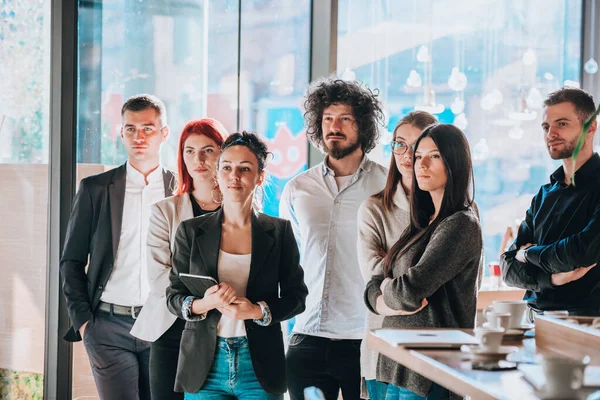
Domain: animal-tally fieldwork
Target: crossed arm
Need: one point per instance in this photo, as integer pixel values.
(554, 264)
(455, 242)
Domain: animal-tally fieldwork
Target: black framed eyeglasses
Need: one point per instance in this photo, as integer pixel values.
(400, 147)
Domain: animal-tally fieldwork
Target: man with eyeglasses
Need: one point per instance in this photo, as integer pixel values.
(342, 120)
(109, 225)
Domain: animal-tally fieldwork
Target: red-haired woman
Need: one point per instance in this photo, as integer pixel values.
(197, 193)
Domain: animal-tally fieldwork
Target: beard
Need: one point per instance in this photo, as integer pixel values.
(566, 152)
(338, 150)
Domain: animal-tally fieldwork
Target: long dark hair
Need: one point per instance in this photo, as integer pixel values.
(420, 120)
(454, 149)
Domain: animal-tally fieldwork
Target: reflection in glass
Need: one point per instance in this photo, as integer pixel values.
(186, 53)
(274, 65)
(487, 71)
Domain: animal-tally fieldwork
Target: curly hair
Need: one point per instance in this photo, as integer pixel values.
(365, 105)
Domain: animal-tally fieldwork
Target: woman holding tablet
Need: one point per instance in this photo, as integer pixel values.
(197, 193)
(232, 345)
(429, 277)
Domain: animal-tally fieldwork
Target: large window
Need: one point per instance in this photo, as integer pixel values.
(274, 67)
(243, 63)
(483, 66)
(24, 154)
(190, 55)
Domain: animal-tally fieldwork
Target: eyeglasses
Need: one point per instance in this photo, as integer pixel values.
(400, 147)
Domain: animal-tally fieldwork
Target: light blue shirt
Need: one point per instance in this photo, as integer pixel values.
(324, 220)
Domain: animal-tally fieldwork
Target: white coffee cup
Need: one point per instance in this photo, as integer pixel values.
(489, 339)
(563, 375)
(516, 309)
(498, 320)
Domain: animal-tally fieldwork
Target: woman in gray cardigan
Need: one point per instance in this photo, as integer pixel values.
(430, 274)
(381, 220)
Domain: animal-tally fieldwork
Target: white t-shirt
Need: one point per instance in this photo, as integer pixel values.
(342, 181)
(234, 269)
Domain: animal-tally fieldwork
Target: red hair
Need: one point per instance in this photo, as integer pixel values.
(208, 127)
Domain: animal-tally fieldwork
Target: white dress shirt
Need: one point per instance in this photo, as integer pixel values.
(128, 282)
(324, 219)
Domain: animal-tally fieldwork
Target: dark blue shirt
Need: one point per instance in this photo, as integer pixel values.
(564, 223)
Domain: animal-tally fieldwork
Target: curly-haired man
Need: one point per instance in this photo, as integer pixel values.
(342, 120)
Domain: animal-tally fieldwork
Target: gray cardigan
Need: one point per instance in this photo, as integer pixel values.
(446, 275)
(377, 229)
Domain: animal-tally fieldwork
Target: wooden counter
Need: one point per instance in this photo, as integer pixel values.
(452, 369)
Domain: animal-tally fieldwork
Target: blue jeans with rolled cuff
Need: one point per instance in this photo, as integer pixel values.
(232, 375)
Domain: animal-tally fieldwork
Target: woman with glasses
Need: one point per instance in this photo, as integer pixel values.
(232, 345)
(381, 221)
(430, 274)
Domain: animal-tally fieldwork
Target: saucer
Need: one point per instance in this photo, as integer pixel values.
(514, 332)
(478, 351)
(523, 327)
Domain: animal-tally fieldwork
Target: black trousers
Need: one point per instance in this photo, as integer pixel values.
(119, 360)
(331, 365)
(164, 353)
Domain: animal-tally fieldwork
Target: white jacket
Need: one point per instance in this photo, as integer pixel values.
(166, 215)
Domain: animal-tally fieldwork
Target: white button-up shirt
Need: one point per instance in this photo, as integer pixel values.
(324, 220)
(128, 282)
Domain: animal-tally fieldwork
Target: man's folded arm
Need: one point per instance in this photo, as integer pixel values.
(579, 250)
(523, 275)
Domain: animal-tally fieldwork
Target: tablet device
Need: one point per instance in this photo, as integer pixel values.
(197, 284)
(425, 338)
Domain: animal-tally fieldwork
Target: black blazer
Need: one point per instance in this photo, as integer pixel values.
(275, 277)
(94, 230)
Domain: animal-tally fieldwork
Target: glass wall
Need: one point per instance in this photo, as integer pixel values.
(189, 55)
(186, 53)
(274, 65)
(483, 66)
(24, 154)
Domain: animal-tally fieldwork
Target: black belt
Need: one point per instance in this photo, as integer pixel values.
(132, 311)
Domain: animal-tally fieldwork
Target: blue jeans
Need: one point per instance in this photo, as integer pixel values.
(377, 390)
(232, 375)
(436, 393)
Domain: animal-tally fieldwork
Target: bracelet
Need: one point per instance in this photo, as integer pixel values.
(266, 319)
(186, 310)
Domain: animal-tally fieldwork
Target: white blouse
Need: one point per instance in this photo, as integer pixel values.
(234, 269)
